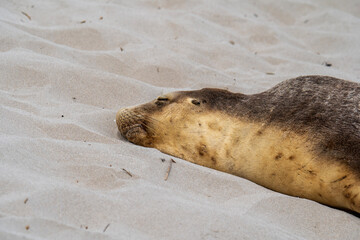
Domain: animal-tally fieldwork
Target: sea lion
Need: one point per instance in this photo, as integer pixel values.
(301, 137)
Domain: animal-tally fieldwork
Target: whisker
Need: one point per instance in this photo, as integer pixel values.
(148, 126)
(150, 120)
(155, 120)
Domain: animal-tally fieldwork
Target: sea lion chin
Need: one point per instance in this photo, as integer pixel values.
(301, 137)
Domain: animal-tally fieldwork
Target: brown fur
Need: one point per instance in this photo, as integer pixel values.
(301, 138)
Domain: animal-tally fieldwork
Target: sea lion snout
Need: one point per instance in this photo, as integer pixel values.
(130, 125)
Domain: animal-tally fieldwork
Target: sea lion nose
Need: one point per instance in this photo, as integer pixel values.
(120, 118)
(130, 126)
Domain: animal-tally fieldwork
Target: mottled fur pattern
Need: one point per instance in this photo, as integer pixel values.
(328, 108)
(300, 138)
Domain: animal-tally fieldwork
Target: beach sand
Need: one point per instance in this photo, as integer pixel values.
(66, 67)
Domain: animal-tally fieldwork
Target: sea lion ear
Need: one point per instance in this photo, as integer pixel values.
(195, 102)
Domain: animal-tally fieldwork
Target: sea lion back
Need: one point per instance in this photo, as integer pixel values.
(328, 108)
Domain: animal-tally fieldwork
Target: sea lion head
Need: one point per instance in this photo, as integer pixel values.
(178, 123)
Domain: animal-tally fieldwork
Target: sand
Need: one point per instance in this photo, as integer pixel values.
(67, 66)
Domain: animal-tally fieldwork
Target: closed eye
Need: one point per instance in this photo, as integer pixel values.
(162, 99)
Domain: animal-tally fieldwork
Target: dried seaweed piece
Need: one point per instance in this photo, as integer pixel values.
(169, 169)
(127, 172)
(27, 15)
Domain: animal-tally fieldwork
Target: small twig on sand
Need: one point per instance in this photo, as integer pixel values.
(169, 169)
(106, 227)
(25, 201)
(127, 172)
(27, 15)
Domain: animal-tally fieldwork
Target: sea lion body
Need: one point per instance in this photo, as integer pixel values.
(301, 137)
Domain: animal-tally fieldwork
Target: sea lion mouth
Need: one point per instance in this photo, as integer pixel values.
(134, 131)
